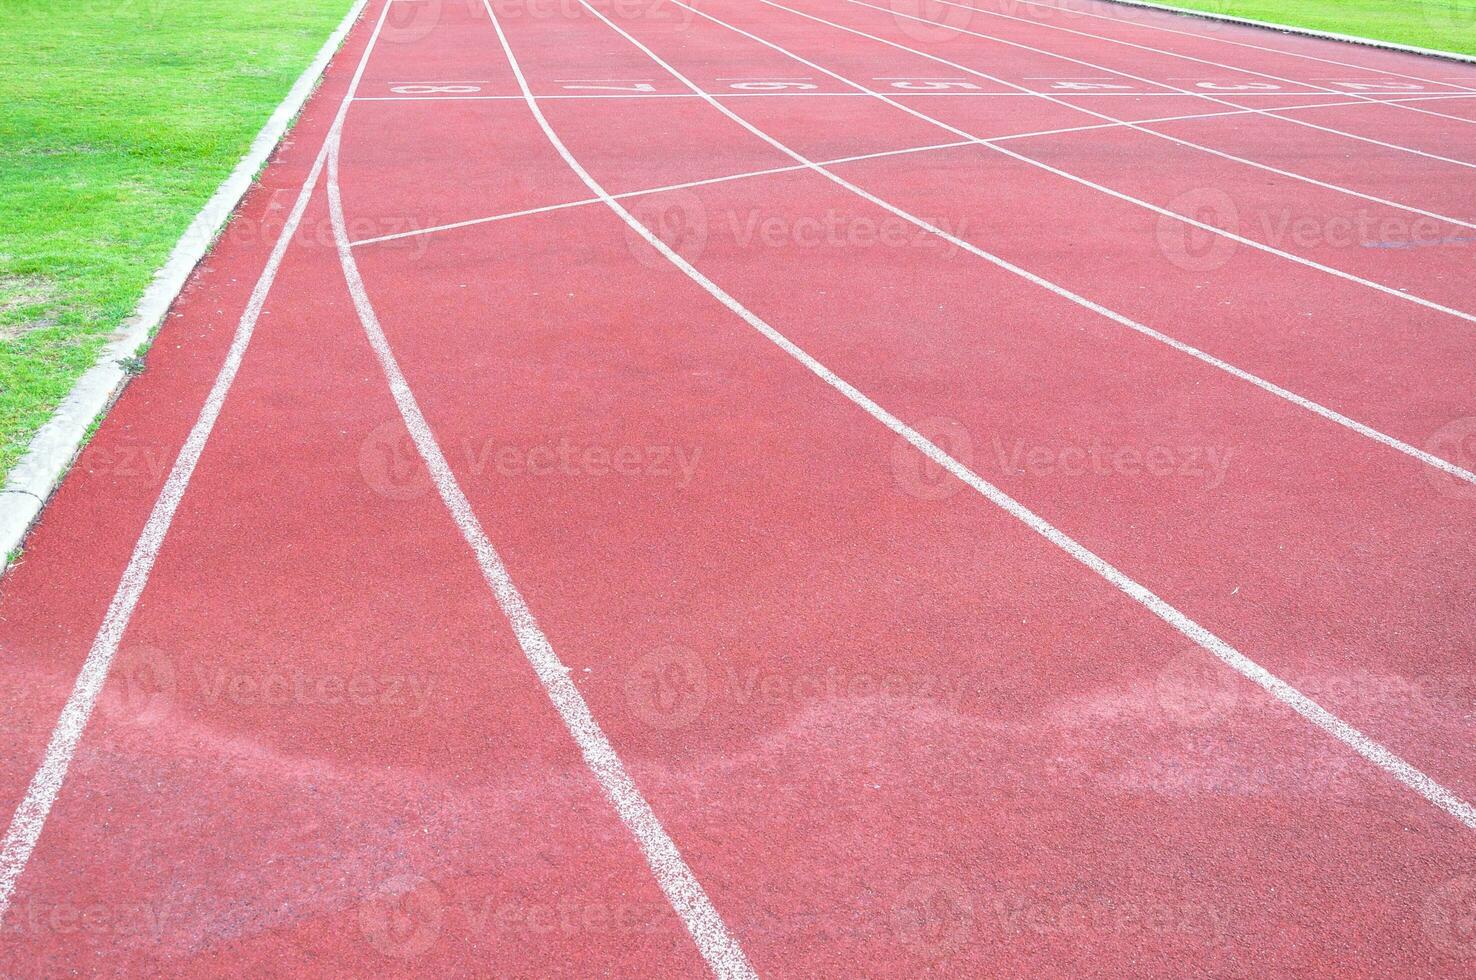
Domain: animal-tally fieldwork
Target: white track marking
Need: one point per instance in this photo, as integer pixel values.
(1305, 403)
(433, 229)
(899, 93)
(1269, 113)
(1239, 44)
(718, 947)
(1171, 54)
(1139, 125)
(54, 446)
(1398, 294)
(953, 144)
(687, 898)
(1283, 692)
(30, 816)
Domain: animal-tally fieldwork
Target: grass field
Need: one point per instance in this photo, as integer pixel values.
(117, 121)
(1446, 25)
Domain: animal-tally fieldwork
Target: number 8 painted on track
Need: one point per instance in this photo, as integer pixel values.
(432, 89)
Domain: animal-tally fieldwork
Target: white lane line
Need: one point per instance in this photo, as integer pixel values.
(1269, 113)
(30, 816)
(903, 94)
(1305, 403)
(1398, 294)
(953, 144)
(1139, 126)
(433, 229)
(1174, 54)
(1124, 21)
(1334, 726)
(676, 879)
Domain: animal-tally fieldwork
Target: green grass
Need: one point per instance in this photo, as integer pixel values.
(1446, 25)
(118, 119)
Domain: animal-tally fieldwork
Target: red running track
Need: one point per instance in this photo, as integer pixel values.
(965, 491)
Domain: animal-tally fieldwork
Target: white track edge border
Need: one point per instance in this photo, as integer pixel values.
(56, 444)
(1369, 42)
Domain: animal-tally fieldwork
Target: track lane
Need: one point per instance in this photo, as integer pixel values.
(1163, 250)
(771, 766)
(770, 776)
(1300, 448)
(262, 748)
(1163, 28)
(1365, 86)
(1385, 159)
(286, 755)
(1247, 91)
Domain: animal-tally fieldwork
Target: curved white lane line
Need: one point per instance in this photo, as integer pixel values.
(951, 145)
(30, 816)
(1301, 402)
(1283, 692)
(690, 902)
(1269, 113)
(1391, 291)
(1116, 19)
(1140, 125)
(1175, 54)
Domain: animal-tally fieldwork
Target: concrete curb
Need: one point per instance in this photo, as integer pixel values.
(57, 443)
(1367, 42)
